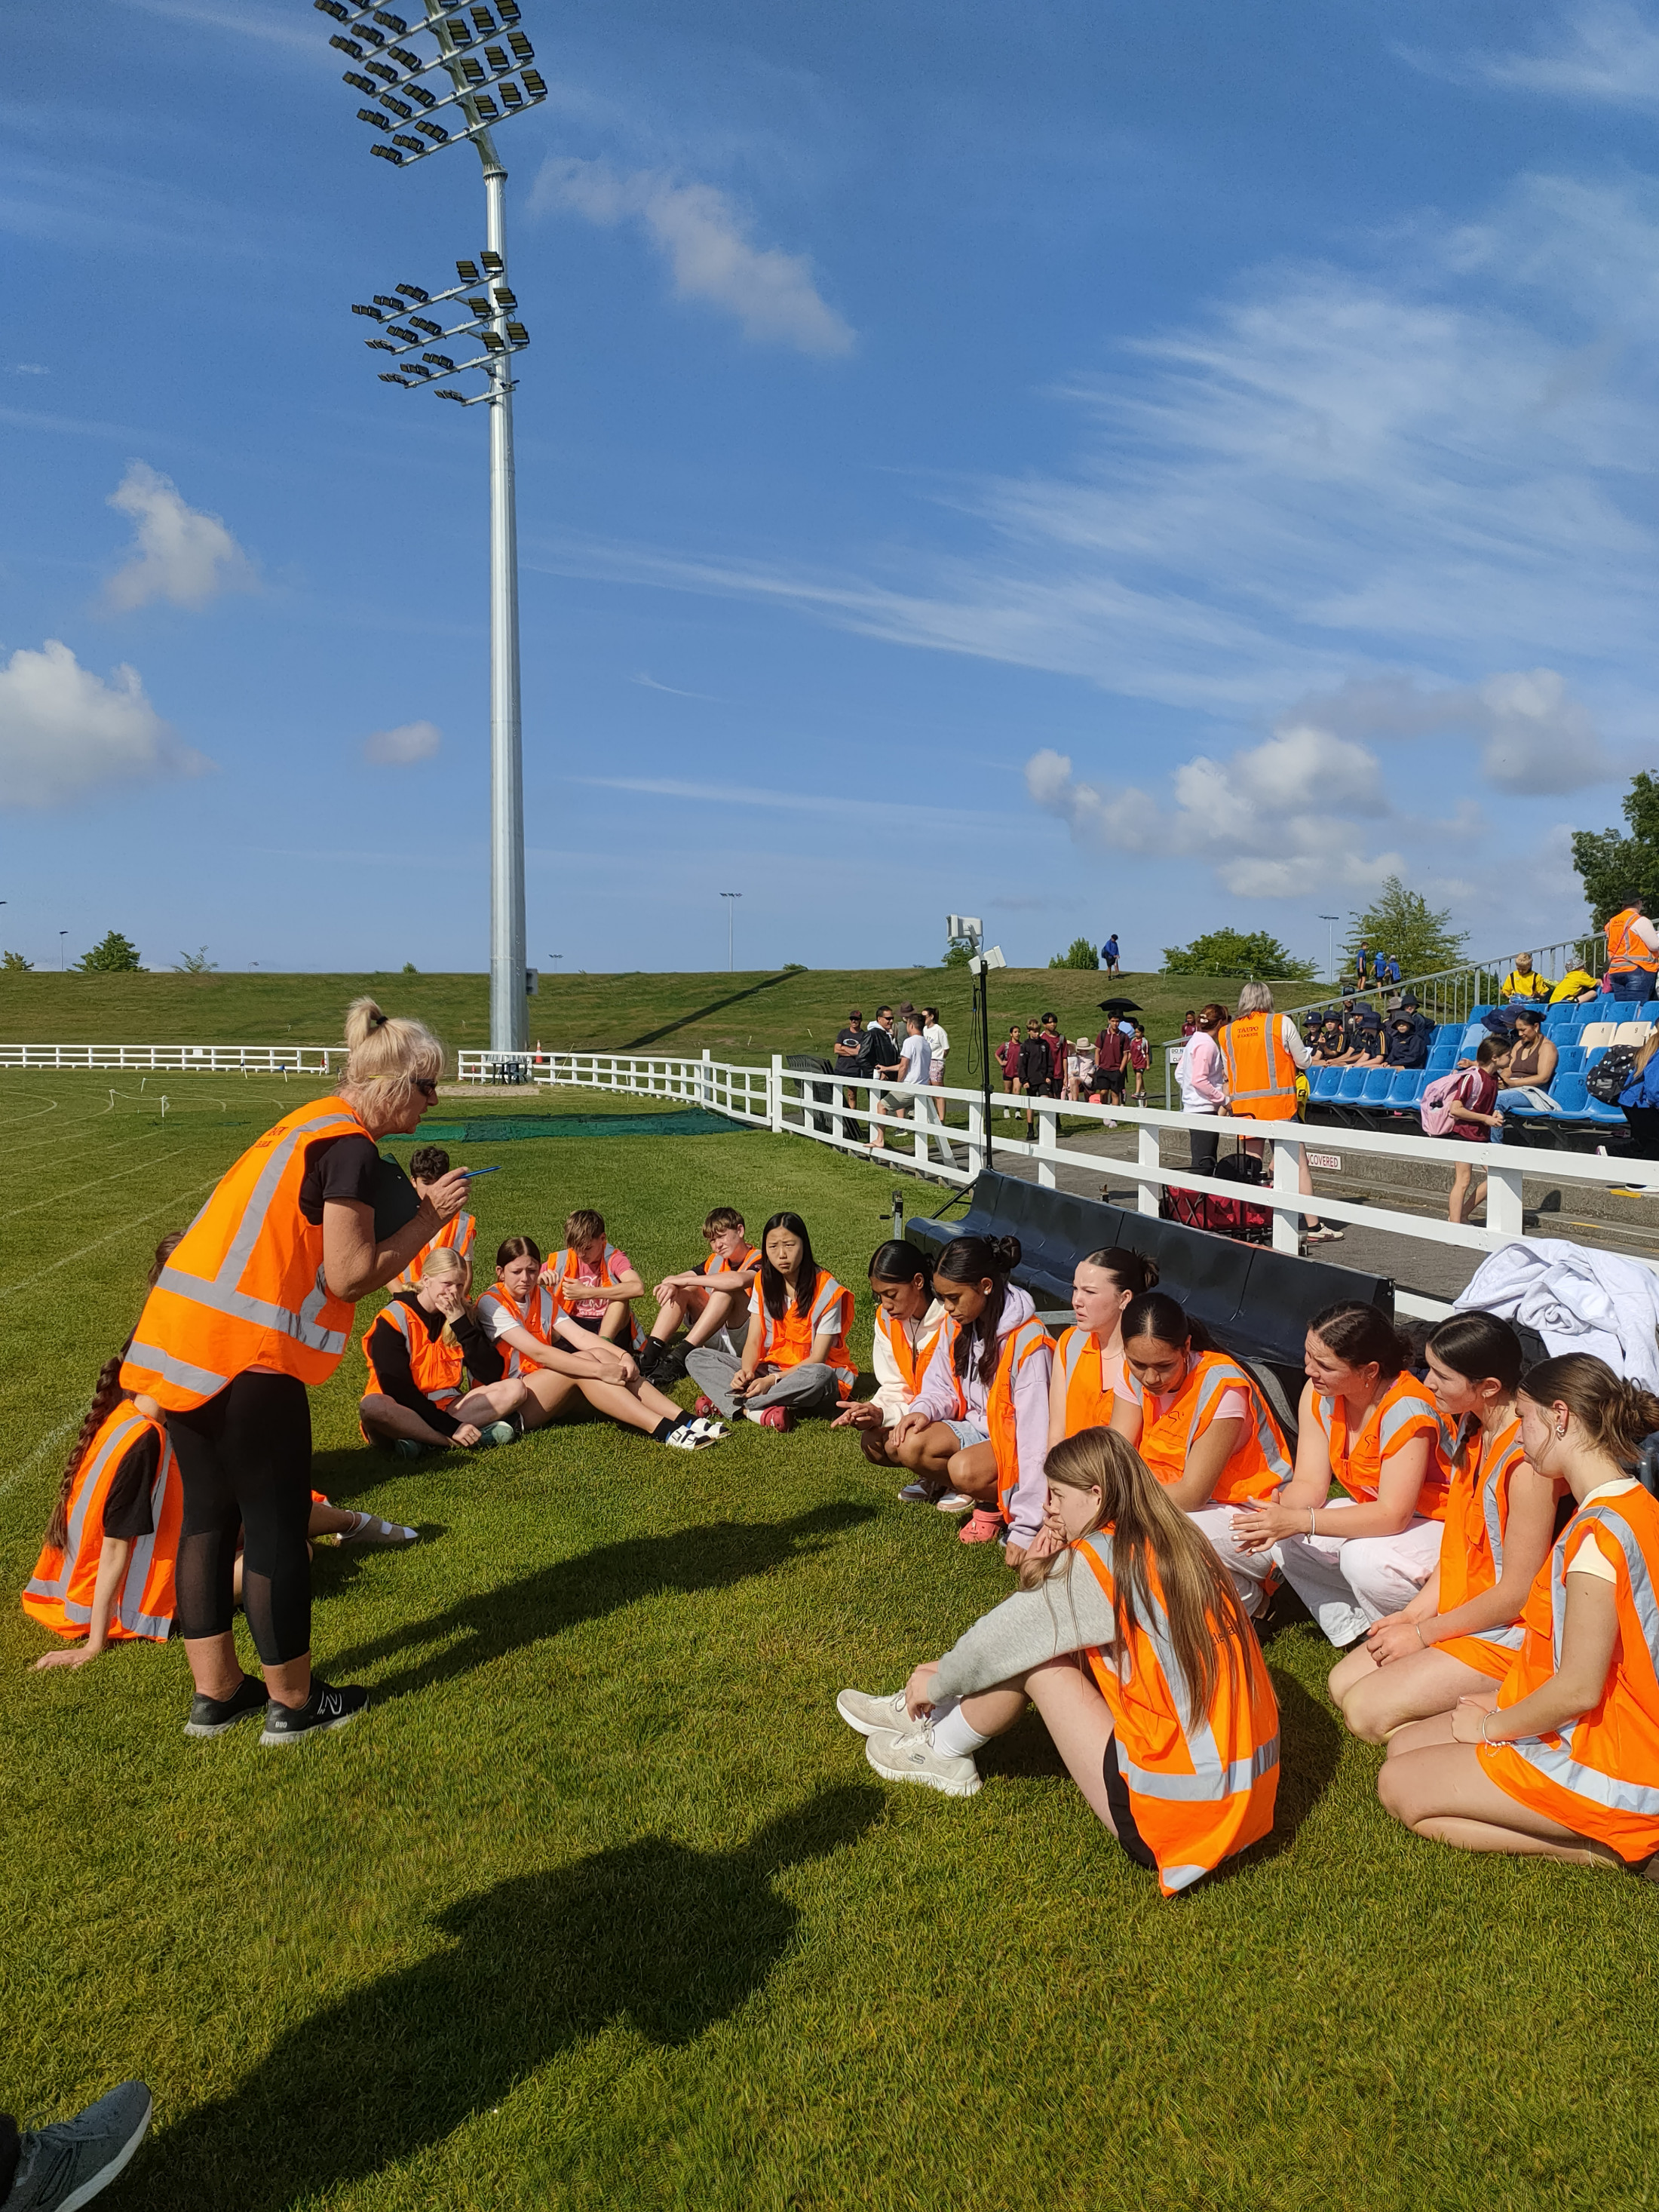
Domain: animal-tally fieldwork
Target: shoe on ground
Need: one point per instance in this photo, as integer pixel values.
(771, 1417)
(981, 1527)
(1324, 1234)
(64, 2166)
(324, 1708)
(953, 1501)
(709, 1426)
(913, 1757)
(922, 1492)
(705, 1405)
(687, 1437)
(501, 1433)
(406, 1447)
(370, 1530)
(669, 1366)
(213, 1716)
(650, 1356)
(882, 1715)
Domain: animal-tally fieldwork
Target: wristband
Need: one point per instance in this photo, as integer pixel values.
(1419, 1635)
(1312, 1510)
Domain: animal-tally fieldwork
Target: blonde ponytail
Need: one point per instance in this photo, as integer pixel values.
(386, 1055)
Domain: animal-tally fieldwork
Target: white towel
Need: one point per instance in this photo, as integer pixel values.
(1578, 1300)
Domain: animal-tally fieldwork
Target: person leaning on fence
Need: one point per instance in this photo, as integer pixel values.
(1461, 1632)
(429, 1164)
(1633, 951)
(1367, 1423)
(1261, 1056)
(849, 1049)
(1088, 1375)
(794, 1357)
(1126, 1637)
(1202, 1078)
(1561, 1759)
(907, 1322)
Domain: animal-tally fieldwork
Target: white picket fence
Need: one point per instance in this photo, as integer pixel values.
(782, 1100)
(187, 1059)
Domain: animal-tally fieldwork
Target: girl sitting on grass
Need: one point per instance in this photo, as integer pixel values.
(978, 1432)
(420, 1349)
(1146, 1674)
(557, 1359)
(795, 1359)
(1561, 1759)
(1461, 1631)
(1088, 1375)
(908, 1319)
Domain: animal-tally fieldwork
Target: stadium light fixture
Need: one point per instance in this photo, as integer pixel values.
(477, 73)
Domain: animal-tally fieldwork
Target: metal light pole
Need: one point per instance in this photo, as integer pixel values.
(476, 59)
(1330, 944)
(731, 909)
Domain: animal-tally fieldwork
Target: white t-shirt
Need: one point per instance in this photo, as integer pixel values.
(917, 1058)
(939, 1042)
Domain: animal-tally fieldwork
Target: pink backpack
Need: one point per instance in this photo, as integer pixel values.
(1431, 1107)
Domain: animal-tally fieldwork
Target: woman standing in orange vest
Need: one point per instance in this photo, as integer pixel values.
(1633, 951)
(1148, 1677)
(1461, 1631)
(254, 1305)
(1561, 1761)
(1087, 1374)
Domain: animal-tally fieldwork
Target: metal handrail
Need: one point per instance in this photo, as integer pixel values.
(1451, 992)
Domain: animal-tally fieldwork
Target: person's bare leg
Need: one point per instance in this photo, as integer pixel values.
(1375, 1701)
(490, 1401)
(214, 1666)
(994, 1711)
(972, 1469)
(614, 1321)
(876, 1446)
(719, 1308)
(634, 1405)
(1460, 1184)
(384, 1417)
(1079, 1721)
(928, 1451)
(1442, 1792)
(669, 1316)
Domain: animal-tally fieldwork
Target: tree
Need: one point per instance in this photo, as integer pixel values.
(114, 955)
(13, 963)
(194, 963)
(1612, 868)
(409, 967)
(1403, 924)
(959, 952)
(1254, 954)
(1079, 953)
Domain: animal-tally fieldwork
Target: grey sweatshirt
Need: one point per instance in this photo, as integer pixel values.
(1064, 1614)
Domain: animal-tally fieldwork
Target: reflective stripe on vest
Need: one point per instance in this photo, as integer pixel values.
(537, 1322)
(1625, 950)
(144, 1605)
(1278, 1071)
(435, 1367)
(456, 1236)
(1485, 1484)
(1263, 1458)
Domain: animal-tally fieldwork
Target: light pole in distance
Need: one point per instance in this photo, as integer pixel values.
(731, 909)
(422, 103)
(969, 929)
(1330, 944)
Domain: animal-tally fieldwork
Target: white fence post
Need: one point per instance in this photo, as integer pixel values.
(1287, 1227)
(1149, 1155)
(1505, 1211)
(775, 1102)
(976, 1138)
(1047, 1143)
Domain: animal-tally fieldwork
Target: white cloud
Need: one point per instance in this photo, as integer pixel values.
(30, 368)
(181, 554)
(707, 242)
(64, 732)
(1598, 50)
(1533, 736)
(402, 747)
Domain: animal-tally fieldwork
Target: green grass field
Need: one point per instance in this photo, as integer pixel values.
(600, 1904)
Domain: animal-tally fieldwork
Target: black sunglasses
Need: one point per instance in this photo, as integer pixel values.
(427, 1090)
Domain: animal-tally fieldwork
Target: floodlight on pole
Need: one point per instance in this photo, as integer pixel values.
(479, 76)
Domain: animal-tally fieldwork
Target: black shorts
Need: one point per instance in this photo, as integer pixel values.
(1134, 1843)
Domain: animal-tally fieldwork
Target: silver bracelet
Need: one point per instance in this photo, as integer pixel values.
(1312, 1510)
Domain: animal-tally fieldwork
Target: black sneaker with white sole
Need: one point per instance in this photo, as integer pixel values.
(326, 1708)
(213, 1716)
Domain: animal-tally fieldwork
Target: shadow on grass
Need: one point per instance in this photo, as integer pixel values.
(699, 1013)
(1310, 1746)
(664, 1938)
(493, 1622)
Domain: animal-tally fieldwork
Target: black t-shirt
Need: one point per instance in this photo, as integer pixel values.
(126, 1502)
(343, 1169)
(855, 1039)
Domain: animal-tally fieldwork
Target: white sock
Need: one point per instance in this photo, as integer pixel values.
(952, 1734)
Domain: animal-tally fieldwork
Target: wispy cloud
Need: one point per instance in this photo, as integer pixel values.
(30, 368)
(244, 20)
(1604, 51)
(706, 238)
(791, 802)
(181, 554)
(650, 684)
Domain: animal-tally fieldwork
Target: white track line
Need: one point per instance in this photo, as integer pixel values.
(51, 1107)
(119, 1176)
(7, 1290)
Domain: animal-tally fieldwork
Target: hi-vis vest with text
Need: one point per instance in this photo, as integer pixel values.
(436, 1367)
(787, 1343)
(1472, 1540)
(536, 1317)
(1028, 1342)
(244, 1285)
(560, 1277)
(1088, 1403)
(58, 1594)
(1261, 1074)
(1626, 950)
(1260, 1462)
(456, 1236)
(1201, 1786)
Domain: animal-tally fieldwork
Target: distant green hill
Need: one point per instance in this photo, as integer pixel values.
(745, 1017)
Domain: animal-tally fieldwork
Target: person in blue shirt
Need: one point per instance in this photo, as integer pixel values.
(1640, 1100)
(1108, 954)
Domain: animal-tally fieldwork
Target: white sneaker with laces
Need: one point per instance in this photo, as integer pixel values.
(880, 1715)
(913, 1758)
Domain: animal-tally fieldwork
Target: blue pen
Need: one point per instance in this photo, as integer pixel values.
(478, 1171)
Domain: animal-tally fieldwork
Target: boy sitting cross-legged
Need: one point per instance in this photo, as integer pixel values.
(712, 1298)
(595, 1283)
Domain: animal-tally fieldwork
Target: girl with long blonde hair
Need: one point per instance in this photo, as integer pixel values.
(422, 1350)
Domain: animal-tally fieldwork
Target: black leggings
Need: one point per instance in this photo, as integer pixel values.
(245, 1465)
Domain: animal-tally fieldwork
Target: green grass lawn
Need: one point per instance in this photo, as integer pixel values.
(600, 1904)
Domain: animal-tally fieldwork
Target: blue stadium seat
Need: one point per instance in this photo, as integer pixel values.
(1353, 1084)
(1379, 1082)
(1442, 1060)
(1569, 1095)
(1324, 1082)
(1486, 1006)
(1647, 1012)
(1474, 1036)
(1569, 1060)
(1408, 1086)
(1560, 1031)
(1592, 1056)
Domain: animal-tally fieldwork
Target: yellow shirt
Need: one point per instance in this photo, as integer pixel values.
(1572, 985)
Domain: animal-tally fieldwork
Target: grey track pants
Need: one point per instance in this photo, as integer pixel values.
(809, 1389)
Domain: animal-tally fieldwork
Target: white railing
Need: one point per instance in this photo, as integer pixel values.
(188, 1059)
(847, 1112)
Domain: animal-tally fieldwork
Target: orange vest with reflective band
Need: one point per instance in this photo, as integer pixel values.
(1260, 1461)
(910, 1358)
(243, 1287)
(1201, 1786)
(1472, 1540)
(714, 1265)
(1089, 1402)
(1406, 1409)
(536, 1317)
(58, 1594)
(1028, 1342)
(1261, 1074)
(436, 1367)
(560, 1276)
(1598, 1775)
(1626, 950)
(787, 1343)
(456, 1236)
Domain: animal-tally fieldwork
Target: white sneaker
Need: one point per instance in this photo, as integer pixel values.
(370, 1530)
(689, 1437)
(918, 1494)
(913, 1759)
(703, 1424)
(882, 1715)
(955, 1501)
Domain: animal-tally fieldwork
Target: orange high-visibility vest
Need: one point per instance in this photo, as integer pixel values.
(1472, 1540)
(1030, 1340)
(1201, 1786)
(58, 1594)
(910, 1355)
(244, 1285)
(560, 1277)
(1261, 1074)
(1626, 950)
(456, 1236)
(1259, 1462)
(1089, 1402)
(714, 1265)
(536, 1316)
(1405, 1410)
(787, 1343)
(436, 1367)
(1598, 1775)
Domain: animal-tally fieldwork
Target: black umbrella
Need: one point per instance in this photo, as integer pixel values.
(1119, 1007)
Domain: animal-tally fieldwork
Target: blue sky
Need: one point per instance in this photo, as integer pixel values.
(1087, 465)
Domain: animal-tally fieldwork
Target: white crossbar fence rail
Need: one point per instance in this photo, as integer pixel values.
(795, 1104)
(190, 1058)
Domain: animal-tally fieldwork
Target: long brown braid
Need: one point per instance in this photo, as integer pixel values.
(106, 1395)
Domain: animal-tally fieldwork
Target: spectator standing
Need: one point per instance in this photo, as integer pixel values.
(1361, 966)
(1203, 1086)
(1393, 976)
(1633, 952)
(1140, 1059)
(1108, 954)
(1056, 1044)
(1111, 1061)
(850, 1047)
(882, 1063)
(1034, 1066)
(916, 1063)
(939, 1042)
(1523, 981)
(1263, 1055)
(1188, 1022)
(1473, 1106)
(1008, 1055)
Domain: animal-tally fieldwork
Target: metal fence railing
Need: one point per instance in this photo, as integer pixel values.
(1450, 995)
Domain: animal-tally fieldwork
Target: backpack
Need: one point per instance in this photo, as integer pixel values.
(1613, 1072)
(1431, 1107)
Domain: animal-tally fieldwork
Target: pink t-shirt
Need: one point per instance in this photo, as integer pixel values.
(1234, 1407)
(597, 1309)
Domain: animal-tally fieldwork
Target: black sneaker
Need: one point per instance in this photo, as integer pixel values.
(650, 1358)
(324, 1709)
(67, 2165)
(213, 1716)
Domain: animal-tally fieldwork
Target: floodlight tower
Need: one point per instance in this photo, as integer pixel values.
(441, 99)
